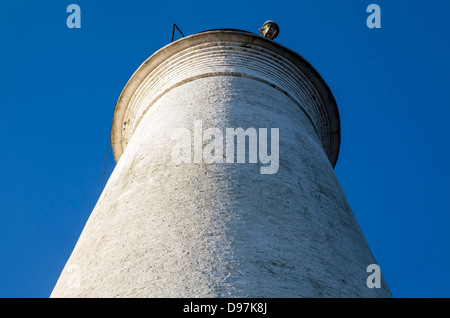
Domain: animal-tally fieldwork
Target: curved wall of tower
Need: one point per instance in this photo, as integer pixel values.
(171, 223)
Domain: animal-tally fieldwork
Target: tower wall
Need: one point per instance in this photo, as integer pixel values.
(164, 228)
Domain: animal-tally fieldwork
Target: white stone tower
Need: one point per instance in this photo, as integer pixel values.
(164, 228)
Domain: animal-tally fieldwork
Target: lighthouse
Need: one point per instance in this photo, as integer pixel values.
(225, 144)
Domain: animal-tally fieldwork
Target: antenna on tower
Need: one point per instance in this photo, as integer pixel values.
(173, 31)
(269, 30)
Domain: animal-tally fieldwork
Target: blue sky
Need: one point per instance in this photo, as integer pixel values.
(59, 87)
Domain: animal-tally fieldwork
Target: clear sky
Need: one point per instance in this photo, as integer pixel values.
(59, 87)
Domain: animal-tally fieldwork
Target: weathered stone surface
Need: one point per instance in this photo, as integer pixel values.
(162, 229)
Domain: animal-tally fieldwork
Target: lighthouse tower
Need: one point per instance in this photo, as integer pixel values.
(225, 143)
